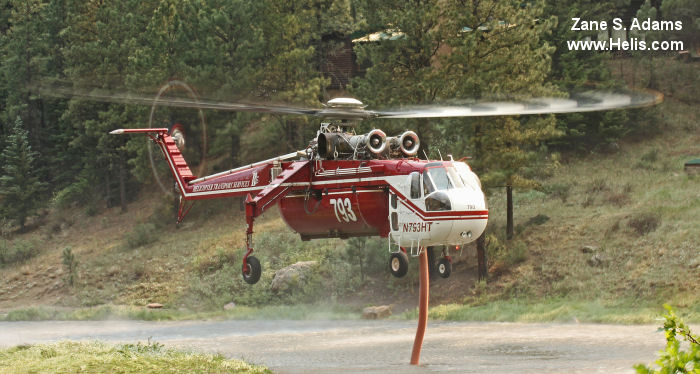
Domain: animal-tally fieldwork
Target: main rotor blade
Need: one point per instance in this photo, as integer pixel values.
(583, 102)
(180, 102)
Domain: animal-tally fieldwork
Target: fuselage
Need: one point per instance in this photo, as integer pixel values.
(413, 202)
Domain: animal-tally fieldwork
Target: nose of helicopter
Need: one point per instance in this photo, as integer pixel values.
(472, 203)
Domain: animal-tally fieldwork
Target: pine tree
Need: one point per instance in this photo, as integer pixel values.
(573, 69)
(99, 38)
(19, 184)
(688, 13)
(442, 51)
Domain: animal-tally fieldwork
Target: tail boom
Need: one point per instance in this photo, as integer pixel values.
(178, 165)
(240, 181)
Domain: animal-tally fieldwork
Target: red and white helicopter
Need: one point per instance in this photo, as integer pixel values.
(346, 184)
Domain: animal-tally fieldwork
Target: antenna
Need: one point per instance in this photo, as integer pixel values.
(440, 154)
(425, 154)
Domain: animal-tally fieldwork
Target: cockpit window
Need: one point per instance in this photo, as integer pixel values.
(438, 201)
(415, 185)
(439, 178)
(428, 186)
(454, 177)
(467, 176)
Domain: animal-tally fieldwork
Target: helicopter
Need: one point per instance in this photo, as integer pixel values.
(345, 185)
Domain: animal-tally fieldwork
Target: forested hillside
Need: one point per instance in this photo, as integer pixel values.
(267, 51)
(61, 170)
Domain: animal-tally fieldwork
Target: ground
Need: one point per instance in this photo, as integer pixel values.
(289, 347)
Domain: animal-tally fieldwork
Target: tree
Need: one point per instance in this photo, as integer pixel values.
(576, 69)
(459, 50)
(20, 187)
(99, 38)
(688, 12)
(400, 67)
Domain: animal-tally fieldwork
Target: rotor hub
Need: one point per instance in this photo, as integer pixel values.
(345, 102)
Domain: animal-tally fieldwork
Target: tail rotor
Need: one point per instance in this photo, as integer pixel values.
(160, 115)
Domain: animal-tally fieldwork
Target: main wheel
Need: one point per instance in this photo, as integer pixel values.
(444, 267)
(398, 264)
(252, 271)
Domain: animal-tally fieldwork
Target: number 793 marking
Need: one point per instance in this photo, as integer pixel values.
(343, 210)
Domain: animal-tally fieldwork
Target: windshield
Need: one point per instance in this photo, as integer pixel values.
(439, 179)
(454, 177)
(467, 177)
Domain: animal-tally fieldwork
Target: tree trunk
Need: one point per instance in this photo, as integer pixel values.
(509, 212)
(235, 145)
(108, 191)
(122, 187)
(481, 256)
(362, 265)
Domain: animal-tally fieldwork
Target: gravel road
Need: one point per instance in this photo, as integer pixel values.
(377, 346)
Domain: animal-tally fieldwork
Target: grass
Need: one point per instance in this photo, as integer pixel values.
(93, 357)
(644, 220)
(555, 310)
(326, 311)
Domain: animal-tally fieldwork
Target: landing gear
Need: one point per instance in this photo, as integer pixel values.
(251, 265)
(251, 270)
(444, 267)
(398, 264)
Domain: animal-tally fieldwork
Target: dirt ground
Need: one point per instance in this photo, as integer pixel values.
(377, 346)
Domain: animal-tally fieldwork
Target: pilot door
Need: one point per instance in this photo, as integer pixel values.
(403, 220)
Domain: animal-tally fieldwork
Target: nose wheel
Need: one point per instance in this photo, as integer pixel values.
(444, 268)
(398, 264)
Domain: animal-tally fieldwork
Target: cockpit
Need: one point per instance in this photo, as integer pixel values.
(445, 206)
(438, 179)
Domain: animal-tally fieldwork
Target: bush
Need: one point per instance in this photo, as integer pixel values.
(618, 199)
(71, 265)
(558, 190)
(516, 254)
(19, 251)
(75, 193)
(30, 314)
(216, 279)
(143, 233)
(651, 156)
(673, 359)
(598, 185)
(505, 253)
(644, 223)
(648, 159)
(210, 264)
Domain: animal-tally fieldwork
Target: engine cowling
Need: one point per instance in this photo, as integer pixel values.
(375, 141)
(406, 144)
(337, 145)
(409, 143)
